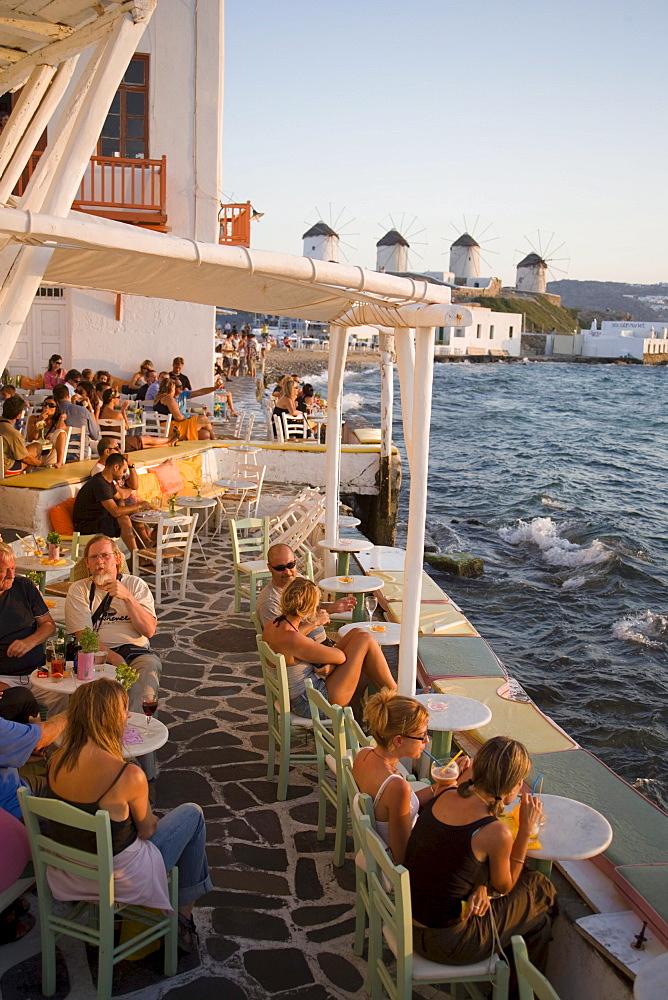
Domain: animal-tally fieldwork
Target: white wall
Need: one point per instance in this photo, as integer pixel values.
(634, 328)
(465, 261)
(392, 258)
(531, 279)
(597, 346)
(322, 248)
(505, 330)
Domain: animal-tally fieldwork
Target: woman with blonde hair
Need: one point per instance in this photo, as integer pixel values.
(89, 772)
(133, 442)
(195, 428)
(139, 378)
(458, 847)
(340, 672)
(399, 727)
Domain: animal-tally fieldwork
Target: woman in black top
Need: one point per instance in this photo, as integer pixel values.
(458, 848)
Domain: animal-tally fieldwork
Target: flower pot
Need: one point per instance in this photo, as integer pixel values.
(54, 551)
(86, 666)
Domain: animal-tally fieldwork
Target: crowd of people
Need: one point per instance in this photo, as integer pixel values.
(240, 351)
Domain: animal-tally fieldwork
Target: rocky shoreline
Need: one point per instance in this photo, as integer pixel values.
(280, 361)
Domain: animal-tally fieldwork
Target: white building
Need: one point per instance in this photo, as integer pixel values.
(392, 252)
(158, 165)
(465, 263)
(321, 243)
(624, 339)
(532, 274)
(490, 331)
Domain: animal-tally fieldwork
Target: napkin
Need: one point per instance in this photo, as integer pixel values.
(132, 736)
(54, 562)
(512, 820)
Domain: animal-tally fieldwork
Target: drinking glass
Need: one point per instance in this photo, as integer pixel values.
(371, 603)
(149, 706)
(445, 771)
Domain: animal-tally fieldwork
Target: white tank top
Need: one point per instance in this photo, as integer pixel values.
(383, 828)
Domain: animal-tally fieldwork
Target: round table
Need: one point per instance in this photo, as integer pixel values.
(246, 450)
(389, 636)
(33, 564)
(156, 516)
(343, 547)
(56, 606)
(194, 504)
(242, 486)
(343, 520)
(459, 715)
(572, 830)
(153, 736)
(356, 585)
(650, 982)
(54, 695)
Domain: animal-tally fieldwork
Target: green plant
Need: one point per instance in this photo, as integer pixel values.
(34, 576)
(89, 641)
(172, 502)
(53, 538)
(126, 675)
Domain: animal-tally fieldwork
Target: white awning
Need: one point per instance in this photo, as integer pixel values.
(113, 256)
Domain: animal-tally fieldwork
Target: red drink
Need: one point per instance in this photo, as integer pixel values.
(149, 707)
(57, 667)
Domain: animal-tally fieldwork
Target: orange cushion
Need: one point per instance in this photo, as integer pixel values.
(169, 477)
(32, 383)
(191, 471)
(149, 488)
(62, 517)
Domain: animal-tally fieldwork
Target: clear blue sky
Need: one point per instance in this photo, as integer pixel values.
(549, 116)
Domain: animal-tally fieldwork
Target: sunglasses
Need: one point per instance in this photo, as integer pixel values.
(48, 406)
(284, 566)
(420, 739)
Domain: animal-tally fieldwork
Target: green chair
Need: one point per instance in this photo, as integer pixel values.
(283, 724)
(330, 747)
(359, 805)
(257, 624)
(391, 922)
(356, 738)
(531, 983)
(98, 868)
(249, 557)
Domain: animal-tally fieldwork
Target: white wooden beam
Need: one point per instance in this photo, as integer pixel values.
(23, 112)
(386, 393)
(338, 350)
(404, 346)
(33, 26)
(11, 55)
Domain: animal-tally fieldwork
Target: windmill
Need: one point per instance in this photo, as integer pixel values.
(322, 241)
(534, 266)
(471, 245)
(394, 251)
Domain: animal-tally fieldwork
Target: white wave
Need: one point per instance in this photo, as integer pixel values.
(351, 401)
(551, 502)
(574, 583)
(646, 627)
(555, 550)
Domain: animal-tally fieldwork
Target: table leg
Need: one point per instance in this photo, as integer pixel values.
(358, 610)
(42, 582)
(441, 744)
(543, 865)
(343, 563)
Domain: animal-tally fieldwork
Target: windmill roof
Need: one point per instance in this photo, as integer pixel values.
(465, 241)
(392, 238)
(320, 229)
(532, 260)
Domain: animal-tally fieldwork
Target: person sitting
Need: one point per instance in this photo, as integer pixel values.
(150, 379)
(72, 380)
(18, 455)
(305, 398)
(54, 375)
(87, 374)
(7, 391)
(139, 378)
(89, 772)
(458, 847)
(177, 374)
(25, 623)
(102, 376)
(341, 672)
(89, 397)
(399, 727)
(154, 387)
(125, 488)
(96, 509)
(49, 425)
(18, 742)
(133, 442)
(287, 403)
(282, 564)
(195, 428)
(75, 415)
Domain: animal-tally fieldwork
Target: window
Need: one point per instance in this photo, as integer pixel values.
(478, 331)
(48, 292)
(459, 332)
(491, 333)
(510, 332)
(125, 131)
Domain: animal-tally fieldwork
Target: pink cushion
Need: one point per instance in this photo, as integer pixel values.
(169, 477)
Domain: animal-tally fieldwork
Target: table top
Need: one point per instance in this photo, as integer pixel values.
(56, 606)
(154, 516)
(68, 685)
(245, 448)
(457, 714)
(572, 830)
(236, 484)
(34, 565)
(346, 544)
(343, 520)
(385, 633)
(196, 501)
(153, 736)
(651, 979)
(352, 584)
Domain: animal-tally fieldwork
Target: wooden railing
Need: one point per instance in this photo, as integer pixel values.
(235, 224)
(126, 190)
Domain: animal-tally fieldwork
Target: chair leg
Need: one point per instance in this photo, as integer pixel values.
(322, 806)
(48, 957)
(252, 597)
(271, 756)
(158, 579)
(171, 937)
(341, 823)
(360, 914)
(284, 760)
(237, 592)
(502, 981)
(105, 970)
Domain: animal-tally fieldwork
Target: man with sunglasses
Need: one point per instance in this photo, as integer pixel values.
(282, 564)
(76, 416)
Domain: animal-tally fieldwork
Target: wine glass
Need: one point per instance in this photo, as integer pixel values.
(371, 603)
(149, 707)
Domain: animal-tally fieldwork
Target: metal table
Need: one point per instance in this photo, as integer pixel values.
(450, 713)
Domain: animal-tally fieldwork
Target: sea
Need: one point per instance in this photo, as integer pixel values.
(557, 475)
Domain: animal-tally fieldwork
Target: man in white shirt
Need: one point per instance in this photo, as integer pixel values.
(72, 380)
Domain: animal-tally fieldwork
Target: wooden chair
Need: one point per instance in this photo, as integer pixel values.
(391, 923)
(278, 428)
(157, 424)
(114, 429)
(283, 724)
(330, 748)
(173, 547)
(359, 805)
(77, 448)
(257, 624)
(249, 557)
(531, 983)
(294, 428)
(249, 426)
(97, 868)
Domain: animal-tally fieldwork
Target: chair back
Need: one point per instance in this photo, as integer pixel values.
(294, 428)
(114, 429)
(97, 867)
(249, 546)
(257, 624)
(329, 740)
(78, 444)
(155, 423)
(531, 983)
(249, 426)
(360, 804)
(356, 738)
(278, 428)
(239, 424)
(269, 420)
(275, 676)
(296, 535)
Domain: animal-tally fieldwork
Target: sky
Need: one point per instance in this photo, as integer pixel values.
(532, 121)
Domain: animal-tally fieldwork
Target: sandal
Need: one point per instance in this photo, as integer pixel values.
(15, 923)
(187, 933)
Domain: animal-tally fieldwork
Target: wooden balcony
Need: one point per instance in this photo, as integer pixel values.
(235, 224)
(133, 191)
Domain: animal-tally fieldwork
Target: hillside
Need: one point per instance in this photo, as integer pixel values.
(641, 302)
(540, 315)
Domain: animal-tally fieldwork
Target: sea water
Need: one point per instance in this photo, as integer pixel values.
(557, 475)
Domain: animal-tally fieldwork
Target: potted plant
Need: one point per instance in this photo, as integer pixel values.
(53, 540)
(89, 641)
(126, 675)
(171, 501)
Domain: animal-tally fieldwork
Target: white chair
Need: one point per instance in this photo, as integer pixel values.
(294, 428)
(172, 550)
(157, 424)
(114, 429)
(77, 449)
(278, 429)
(236, 433)
(249, 426)
(254, 475)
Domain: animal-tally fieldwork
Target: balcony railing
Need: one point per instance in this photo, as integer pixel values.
(125, 190)
(235, 223)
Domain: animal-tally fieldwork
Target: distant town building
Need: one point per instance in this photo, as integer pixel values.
(490, 332)
(532, 274)
(392, 252)
(646, 341)
(321, 243)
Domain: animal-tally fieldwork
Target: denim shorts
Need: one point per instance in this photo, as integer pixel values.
(300, 705)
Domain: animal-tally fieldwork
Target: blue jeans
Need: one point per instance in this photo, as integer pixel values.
(181, 839)
(301, 705)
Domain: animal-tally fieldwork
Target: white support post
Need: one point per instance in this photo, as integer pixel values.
(386, 393)
(404, 345)
(58, 175)
(338, 351)
(23, 112)
(417, 508)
